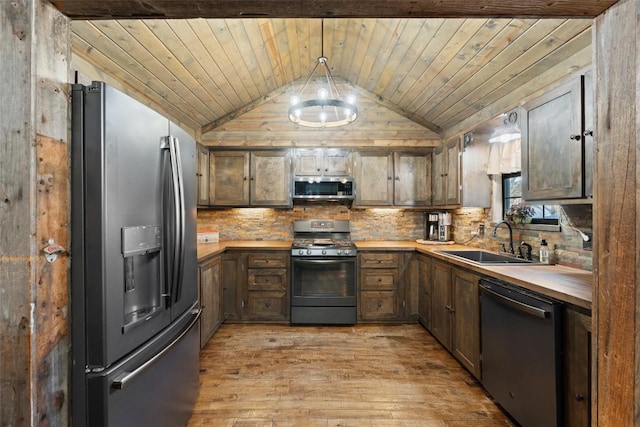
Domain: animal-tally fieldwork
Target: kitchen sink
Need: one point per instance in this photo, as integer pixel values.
(488, 258)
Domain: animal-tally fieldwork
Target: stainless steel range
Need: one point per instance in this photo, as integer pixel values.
(323, 273)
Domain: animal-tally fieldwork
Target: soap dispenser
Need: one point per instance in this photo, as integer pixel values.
(544, 252)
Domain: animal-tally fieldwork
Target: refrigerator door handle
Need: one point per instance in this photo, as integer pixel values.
(127, 377)
(182, 224)
(173, 253)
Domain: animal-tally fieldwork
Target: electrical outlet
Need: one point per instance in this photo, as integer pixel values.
(481, 230)
(588, 245)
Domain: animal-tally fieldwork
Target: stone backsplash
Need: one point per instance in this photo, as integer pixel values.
(277, 224)
(565, 246)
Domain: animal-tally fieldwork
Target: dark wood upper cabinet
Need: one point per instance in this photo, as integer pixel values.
(446, 174)
(322, 162)
(412, 179)
(229, 178)
(374, 179)
(243, 178)
(203, 175)
(553, 145)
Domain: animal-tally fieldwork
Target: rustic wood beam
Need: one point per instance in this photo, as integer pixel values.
(170, 9)
(616, 318)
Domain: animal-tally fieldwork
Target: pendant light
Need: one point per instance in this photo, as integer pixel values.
(326, 108)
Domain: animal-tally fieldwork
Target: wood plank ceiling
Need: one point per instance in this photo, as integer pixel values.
(436, 71)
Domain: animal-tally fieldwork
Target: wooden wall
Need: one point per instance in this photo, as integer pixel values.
(34, 190)
(377, 125)
(616, 294)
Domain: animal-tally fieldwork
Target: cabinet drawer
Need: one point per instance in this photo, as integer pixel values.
(266, 279)
(267, 305)
(378, 260)
(268, 260)
(379, 305)
(379, 279)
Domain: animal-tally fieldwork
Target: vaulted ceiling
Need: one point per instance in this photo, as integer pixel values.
(436, 71)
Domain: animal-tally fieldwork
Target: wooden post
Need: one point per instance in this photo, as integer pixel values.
(616, 316)
(34, 207)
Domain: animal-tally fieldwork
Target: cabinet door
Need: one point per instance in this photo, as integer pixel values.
(210, 299)
(412, 183)
(441, 303)
(424, 292)
(374, 179)
(203, 176)
(336, 162)
(232, 291)
(552, 145)
(438, 176)
(308, 161)
(577, 368)
(466, 325)
(271, 178)
(229, 178)
(452, 172)
(589, 129)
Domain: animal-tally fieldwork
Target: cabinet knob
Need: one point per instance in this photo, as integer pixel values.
(588, 132)
(579, 397)
(575, 137)
(397, 178)
(244, 179)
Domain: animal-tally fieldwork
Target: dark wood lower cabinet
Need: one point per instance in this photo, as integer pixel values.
(424, 291)
(387, 289)
(256, 286)
(577, 367)
(466, 319)
(455, 312)
(210, 298)
(441, 303)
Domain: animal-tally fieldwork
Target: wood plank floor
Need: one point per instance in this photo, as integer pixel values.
(366, 375)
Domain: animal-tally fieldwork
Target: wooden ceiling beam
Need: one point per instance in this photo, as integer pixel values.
(180, 9)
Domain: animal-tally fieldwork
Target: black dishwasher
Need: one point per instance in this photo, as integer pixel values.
(522, 353)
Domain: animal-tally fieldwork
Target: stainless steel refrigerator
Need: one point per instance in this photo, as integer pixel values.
(135, 328)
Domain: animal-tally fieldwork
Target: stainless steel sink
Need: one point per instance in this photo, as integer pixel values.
(488, 258)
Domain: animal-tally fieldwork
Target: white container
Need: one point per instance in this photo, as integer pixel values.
(208, 236)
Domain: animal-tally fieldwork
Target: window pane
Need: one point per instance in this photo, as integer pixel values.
(551, 211)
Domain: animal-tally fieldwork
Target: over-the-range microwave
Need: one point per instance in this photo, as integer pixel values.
(324, 189)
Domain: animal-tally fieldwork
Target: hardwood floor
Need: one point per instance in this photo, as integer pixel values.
(366, 375)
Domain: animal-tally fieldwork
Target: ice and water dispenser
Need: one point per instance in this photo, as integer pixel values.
(141, 249)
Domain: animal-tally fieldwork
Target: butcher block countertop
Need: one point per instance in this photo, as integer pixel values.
(205, 250)
(556, 281)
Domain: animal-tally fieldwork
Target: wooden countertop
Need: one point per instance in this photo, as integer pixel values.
(556, 281)
(206, 250)
(567, 284)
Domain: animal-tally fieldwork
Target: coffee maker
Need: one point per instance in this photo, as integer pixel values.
(444, 227)
(432, 221)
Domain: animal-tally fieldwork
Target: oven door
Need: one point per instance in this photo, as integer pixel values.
(323, 281)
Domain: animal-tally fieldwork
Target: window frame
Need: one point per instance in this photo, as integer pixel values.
(536, 221)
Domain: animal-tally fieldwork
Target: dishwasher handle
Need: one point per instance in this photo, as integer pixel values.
(517, 305)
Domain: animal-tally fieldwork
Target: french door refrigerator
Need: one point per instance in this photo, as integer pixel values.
(135, 328)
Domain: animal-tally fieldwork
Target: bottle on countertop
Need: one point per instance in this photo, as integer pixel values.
(544, 252)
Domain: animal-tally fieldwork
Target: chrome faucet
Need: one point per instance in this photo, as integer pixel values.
(511, 251)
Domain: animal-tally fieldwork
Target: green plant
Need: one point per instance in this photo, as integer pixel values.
(519, 213)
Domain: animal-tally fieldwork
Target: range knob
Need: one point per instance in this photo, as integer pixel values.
(301, 251)
(324, 252)
(308, 251)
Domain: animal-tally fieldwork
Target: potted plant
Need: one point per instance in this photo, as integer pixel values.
(519, 213)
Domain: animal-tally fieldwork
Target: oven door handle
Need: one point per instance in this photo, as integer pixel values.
(323, 261)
